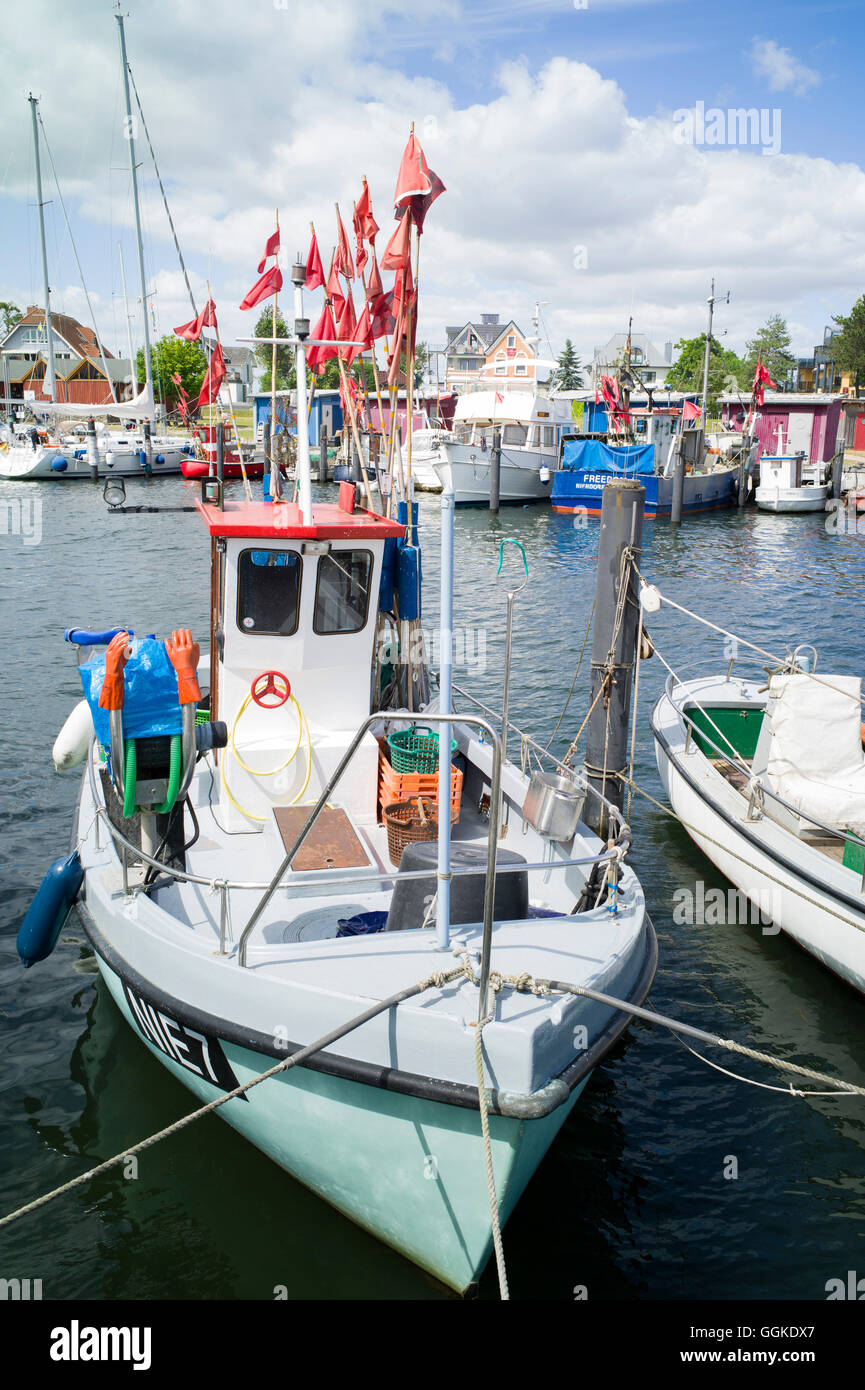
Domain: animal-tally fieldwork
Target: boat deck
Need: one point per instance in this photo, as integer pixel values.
(830, 845)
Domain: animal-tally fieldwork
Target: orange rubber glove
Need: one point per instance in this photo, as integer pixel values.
(184, 655)
(116, 656)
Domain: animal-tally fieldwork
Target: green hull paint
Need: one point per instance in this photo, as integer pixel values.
(410, 1171)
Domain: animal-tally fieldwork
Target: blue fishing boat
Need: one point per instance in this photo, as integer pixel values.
(587, 465)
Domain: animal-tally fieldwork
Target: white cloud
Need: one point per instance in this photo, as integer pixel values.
(782, 71)
(288, 110)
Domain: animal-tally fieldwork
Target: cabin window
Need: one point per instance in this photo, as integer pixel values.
(342, 591)
(549, 435)
(514, 434)
(268, 592)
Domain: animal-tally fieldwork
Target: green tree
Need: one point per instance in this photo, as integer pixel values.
(173, 357)
(10, 314)
(285, 374)
(848, 347)
(726, 371)
(771, 346)
(568, 375)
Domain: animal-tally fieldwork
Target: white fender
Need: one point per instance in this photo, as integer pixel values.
(71, 745)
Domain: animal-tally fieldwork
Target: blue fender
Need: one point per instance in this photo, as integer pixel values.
(38, 933)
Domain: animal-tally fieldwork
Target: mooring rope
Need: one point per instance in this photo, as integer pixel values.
(523, 982)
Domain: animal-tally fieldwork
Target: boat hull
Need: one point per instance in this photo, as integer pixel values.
(67, 464)
(408, 1170)
(792, 499)
(581, 492)
(466, 469)
(812, 901)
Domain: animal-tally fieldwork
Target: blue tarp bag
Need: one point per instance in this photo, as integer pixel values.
(150, 704)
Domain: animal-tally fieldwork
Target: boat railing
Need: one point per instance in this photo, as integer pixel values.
(758, 789)
(615, 814)
(224, 886)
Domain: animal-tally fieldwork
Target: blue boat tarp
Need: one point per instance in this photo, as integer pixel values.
(593, 456)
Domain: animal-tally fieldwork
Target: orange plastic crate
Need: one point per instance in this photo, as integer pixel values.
(402, 786)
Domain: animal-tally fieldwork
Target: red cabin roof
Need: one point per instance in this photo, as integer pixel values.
(282, 521)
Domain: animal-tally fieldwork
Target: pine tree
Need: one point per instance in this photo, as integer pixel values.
(568, 375)
(771, 346)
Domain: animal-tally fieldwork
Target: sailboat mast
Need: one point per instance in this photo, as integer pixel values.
(707, 355)
(132, 377)
(148, 365)
(51, 379)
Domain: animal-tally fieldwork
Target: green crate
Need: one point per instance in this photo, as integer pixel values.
(416, 750)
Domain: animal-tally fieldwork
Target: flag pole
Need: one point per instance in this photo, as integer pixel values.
(385, 432)
(231, 414)
(349, 404)
(275, 481)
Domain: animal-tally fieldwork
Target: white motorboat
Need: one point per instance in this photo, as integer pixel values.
(267, 905)
(532, 425)
(770, 784)
(785, 486)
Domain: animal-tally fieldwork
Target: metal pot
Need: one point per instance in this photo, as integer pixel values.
(553, 805)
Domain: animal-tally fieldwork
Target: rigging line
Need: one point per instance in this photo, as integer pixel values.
(574, 681)
(783, 662)
(77, 260)
(162, 191)
(790, 1090)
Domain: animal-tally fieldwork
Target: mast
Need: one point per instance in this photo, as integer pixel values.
(132, 373)
(706, 356)
(50, 377)
(148, 365)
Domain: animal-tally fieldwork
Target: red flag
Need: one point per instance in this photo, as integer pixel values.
(314, 267)
(343, 262)
(271, 249)
(690, 411)
(213, 379)
(413, 179)
(334, 290)
(362, 333)
(382, 316)
(398, 249)
(762, 379)
(269, 284)
(325, 328)
(365, 226)
(206, 319)
(421, 205)
(374, 287)
(346, 322)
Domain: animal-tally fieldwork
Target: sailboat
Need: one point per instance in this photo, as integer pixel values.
(44, 451)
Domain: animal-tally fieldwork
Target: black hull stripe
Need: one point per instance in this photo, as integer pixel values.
(533, 1106)
(836, 894)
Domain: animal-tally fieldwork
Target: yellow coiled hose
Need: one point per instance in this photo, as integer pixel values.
(302, 728)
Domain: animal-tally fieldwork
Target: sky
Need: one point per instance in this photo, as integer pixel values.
(590, 149)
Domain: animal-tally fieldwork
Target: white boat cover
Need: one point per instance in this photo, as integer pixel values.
(140, 408)
(815, 755)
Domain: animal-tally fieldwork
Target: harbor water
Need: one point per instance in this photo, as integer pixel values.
(671, 1180)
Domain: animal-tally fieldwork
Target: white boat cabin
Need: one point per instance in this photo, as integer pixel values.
(293, 626)
(532, 422)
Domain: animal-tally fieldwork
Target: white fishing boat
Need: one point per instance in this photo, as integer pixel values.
(770, 784)
(249, 893)
(531, 424)
(786, 486)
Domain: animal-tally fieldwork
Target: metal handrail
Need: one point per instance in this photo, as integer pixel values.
(492, 835)
(755, 782)
(582, 782)
(336, 877)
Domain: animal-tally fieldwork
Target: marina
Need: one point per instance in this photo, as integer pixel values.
(433, 784)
